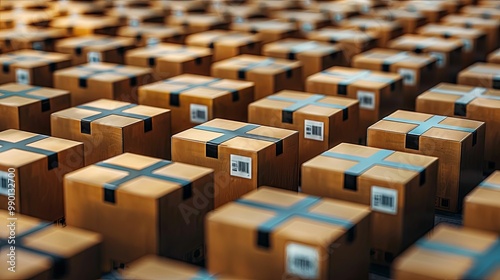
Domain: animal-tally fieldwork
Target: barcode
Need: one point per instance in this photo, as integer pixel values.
(4, 181)
(22, 76)
(302, 261)
(366, 100)
(241, 166)
(384, 200)
(408, 76)
(199, 113)
(93, 57)
(313, 130)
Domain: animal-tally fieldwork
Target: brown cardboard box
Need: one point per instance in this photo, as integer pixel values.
(482, 206)
(268, 74)
(270, 7)
(109, 128)
(489, 3)
(418, 71)
(236, 13)
(196, 99)
(92, 81)
(169, 60)
(194, 23)
(481, 75)
(141, 205)
(351, 41)
(378, 93)
(473, 103)
(409, 20)
(336, 11)
(450, 252)
(494, 57)
(268, 30)
(474, 40)
(28, 108)
(285, 235)
(65, 8)
(322, 121)
(490, 26)
(226, 44)
(30, 38)
(45, 251)
(20, 17)
(30, 67)
(434, 11)
(482, 12)
(180, 7)
(149, 34)
(135, 16)
(458, 143)
(384, 30)
(95, 48)
(78, 25)
(305, 21)
(400, 189)
(448, 52)
(36, 164)
(244, 156)
(315, 56)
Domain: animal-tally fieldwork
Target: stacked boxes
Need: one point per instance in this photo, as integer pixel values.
(135, 16)
(194, 23)
(149, 34)
(288, 236)
(490, 26)
(305, 21)
(78, 25)
(399, 188)
(384, 30)
(482, 207)
(30, 38)
(458, 143)
(481, 75)
(409, 20)
(244, 156)
(141, 205)
(268, 30)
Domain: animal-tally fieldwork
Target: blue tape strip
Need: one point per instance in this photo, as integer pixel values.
(183, 50)
(83, 79)
(188, 86)
(490, 186)
(466, 98)
(433, 121)
(203, 275)
(20, 58)
(365, 75)
(23, 93)
(22, 145)
(264, 63)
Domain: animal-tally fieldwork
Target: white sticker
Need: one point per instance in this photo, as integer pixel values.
(198, 113)
(366, 99)
(94, 57)
(134, 22)
(440, 57)
(37, 46)
(302, 261)
(22, 76)
(307, 27)
(241, 166)
(152, 41)
(467, 45)
(4, 182)
(409, 76)
(384, 200)
(313, 130)
(338, 17)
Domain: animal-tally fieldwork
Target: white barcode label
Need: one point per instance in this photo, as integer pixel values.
(37, 46)
(302, 261)
(366, 99)
(440, 57)
(94, 57)
(22, 76)
(152, 41)
(134, 22)
(467, 45)
(313, 130)
(384, 200)
(307, 26)
(199, 113)
(409, 76)
(4, 182)
(241, 166)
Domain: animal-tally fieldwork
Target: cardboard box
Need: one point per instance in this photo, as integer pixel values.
(482, 12)
(92, 81)
(474, 40)
(473, 103)
(65, 8)
(450, 252)
(384, 30)
(35, 165)
(149, 34)
(30, 67)
(315, 56)
(194, 23)
(305, 21)
(95, 48)
(109, 128)
(135, 16)
(481, 74)
(269, 75)
(180, 7)
(244, 156)
(166, 201)
(364, 6)
(378, 93)
(21, 18)
(289, 236)
(269, 7)
(169, 60)
(40, 39)
(418, 71)
(236, 13)
(351, 41)
(268, 30)
(490, 26)
(226, 44)
(482, 207)
(400, 189)
(494, 57)
(409, 20)
(434, 11)
(322, 121)
(45, 251)
(458, 143)
(28, 108)
(336, 11)
(448, 52)
(78, 25)
(197, 99)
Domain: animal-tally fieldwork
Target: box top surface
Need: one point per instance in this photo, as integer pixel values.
(487, 193)
(301, 16)
(482, 69)
(300, 46)
(135, 12)
(95, 42)
(257, 208)
(467, 20)
(155, 267)
(456, 31)
(84, 21)
(104, 72)
(169, 52)
(221, 37)
(463, 94)
(30, 147)
(410, 42)
(426, 6)
(398, 13)
(151, 29)
(196, 19)
(27, 16)
(392, 166)
(359, 77)
(17, 95)
(255, 138)
(446, 128)
(351, 35)
(32, 58)
(256, 64)
(370, 24)
(31, 34)
(334, 6)
(268, 26)
(395, 57)
(132, 172)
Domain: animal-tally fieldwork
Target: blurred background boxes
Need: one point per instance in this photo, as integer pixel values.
(78, 25)
(494, 57)
(481, 75)
(432, 10)
(490, 26)
(150, 34)
(409, 20)
(194, 23)
(40, 39)
(384, 30)
(135, 16)
(268, 30)
(305, 21)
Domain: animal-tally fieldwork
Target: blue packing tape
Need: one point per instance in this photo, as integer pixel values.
(203, 275)
(174, 95)
(466, 97)
(52, 158)
(263, 63)
(82, 80)
(365, 75)
(20, 58)
(182, 50)
(489, 185)
(24, 93)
